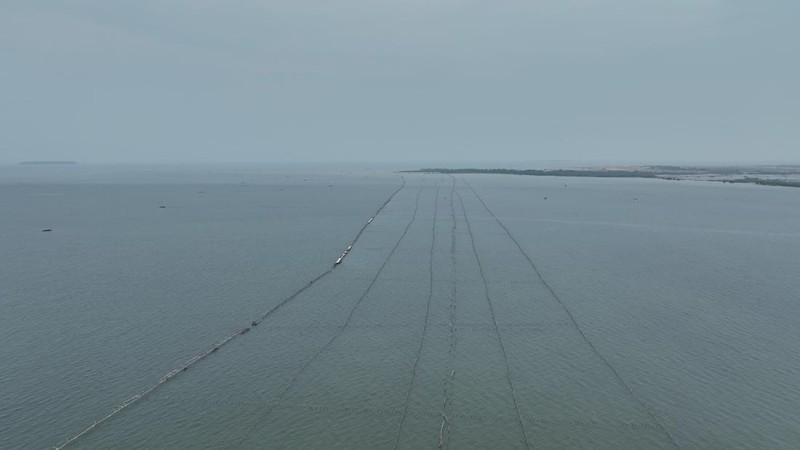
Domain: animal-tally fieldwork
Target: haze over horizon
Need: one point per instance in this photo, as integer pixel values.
(400, 81)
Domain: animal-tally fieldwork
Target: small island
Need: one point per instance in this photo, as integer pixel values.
(48, 163)
(780, 175)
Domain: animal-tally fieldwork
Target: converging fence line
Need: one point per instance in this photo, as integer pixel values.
(199, 357)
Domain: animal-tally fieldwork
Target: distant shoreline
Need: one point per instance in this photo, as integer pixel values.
(785, 176)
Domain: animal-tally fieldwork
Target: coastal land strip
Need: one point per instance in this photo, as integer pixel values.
(777, 175)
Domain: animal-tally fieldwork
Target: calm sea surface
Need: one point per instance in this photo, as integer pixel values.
(472, 312)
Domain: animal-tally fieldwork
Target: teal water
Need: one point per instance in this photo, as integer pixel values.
(473, 312)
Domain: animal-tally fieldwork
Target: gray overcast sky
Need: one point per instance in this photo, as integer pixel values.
(394, 80)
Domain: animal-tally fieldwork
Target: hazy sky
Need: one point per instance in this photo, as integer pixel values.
(393, 80)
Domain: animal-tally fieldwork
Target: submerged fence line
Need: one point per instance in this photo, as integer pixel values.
(575, 323)
(448, 386)
(361, 231)
(201, 356)
(496, 325)
(425, 325)
(477, 417)
(451, 348)
(339, 332)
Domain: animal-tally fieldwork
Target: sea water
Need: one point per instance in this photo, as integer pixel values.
(474, 311)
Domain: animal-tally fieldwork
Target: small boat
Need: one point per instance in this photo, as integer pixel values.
(254, 323)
